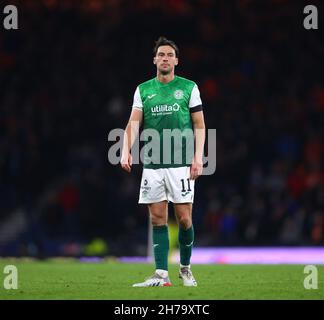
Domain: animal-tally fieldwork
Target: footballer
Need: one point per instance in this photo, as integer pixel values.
(168, 102)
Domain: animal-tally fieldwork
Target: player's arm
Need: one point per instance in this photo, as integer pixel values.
(198, 123)
(131, 131)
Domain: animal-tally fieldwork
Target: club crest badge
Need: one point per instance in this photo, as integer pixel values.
(178, 94)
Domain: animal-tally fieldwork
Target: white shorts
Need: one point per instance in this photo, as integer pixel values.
(171, 184)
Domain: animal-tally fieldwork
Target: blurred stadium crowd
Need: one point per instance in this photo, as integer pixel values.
(67, 78)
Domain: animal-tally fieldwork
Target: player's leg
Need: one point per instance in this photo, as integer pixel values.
(153, 194)
(183, 213)
(180, 190)
(159, 217)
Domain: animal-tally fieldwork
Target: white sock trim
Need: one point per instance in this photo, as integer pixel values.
(182, 266)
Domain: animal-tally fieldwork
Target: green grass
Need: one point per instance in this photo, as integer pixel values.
(111, 280)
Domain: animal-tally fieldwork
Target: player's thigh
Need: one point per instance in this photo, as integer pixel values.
(180, 189)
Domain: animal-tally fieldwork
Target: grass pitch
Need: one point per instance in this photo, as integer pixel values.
(71, 279)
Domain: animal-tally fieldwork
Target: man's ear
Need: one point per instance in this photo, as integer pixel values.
(177, 61)
(154, 60)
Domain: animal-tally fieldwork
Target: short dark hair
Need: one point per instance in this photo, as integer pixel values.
(163, 41)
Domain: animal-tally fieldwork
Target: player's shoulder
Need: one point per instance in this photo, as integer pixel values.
(147, 83)
(186, 83)
(185, 80)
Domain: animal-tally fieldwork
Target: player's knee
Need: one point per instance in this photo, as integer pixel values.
(185, 222)
(158, 219)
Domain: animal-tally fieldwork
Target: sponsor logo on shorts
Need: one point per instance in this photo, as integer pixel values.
(144, 188)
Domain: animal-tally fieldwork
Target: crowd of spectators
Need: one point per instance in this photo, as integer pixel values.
(68, 75)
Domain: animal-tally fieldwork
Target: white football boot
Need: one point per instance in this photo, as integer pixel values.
(154, 281)
(187, 277)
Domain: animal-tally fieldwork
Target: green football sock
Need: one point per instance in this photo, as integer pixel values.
(186, 238)
(161, 246)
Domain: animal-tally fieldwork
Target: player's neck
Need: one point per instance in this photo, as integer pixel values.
(165, 78)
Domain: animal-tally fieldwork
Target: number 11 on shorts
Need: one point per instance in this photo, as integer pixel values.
(183, 185)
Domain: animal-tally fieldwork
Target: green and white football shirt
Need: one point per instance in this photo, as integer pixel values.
(168, 131)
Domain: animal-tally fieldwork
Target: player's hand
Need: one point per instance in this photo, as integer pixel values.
(196, 169)
(126, 161)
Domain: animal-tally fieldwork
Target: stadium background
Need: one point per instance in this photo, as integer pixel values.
(67, 78)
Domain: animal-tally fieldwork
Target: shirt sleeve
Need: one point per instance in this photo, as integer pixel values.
(195, 103)
(137, 102)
